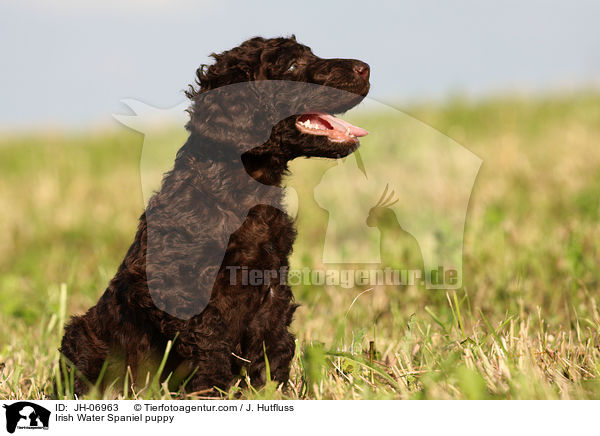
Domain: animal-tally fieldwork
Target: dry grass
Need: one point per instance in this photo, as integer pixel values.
(525, 324)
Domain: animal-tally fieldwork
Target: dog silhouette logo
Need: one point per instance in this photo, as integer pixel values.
(26, 415)
(399, 202)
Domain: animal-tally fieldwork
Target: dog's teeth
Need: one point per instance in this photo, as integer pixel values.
(310, 125)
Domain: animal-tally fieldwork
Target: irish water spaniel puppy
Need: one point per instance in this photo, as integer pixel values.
(189, 275)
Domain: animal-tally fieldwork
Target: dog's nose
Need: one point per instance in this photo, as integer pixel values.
(362, 69)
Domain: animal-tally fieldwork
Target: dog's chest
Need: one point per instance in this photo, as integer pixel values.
(266, 237)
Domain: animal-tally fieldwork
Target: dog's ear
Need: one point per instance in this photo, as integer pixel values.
(237, 116)
(241, 116)
(226, 107)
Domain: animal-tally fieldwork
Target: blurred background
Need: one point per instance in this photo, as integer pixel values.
(516, 83)
(69, 63)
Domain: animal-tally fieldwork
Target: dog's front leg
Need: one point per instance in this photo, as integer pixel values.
(203, 344)
(268, 338)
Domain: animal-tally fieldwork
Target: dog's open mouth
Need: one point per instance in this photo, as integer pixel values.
(337, 130)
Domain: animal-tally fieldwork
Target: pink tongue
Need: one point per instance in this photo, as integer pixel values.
(342, 125)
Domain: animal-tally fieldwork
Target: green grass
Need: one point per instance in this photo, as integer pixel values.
(525, 325)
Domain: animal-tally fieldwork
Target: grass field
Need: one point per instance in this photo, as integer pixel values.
(525, 325)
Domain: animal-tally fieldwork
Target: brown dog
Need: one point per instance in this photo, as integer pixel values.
(217, 211)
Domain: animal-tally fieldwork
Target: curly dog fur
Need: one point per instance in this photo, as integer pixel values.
(218, 208)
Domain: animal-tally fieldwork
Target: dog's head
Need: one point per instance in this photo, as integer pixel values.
(276, 96)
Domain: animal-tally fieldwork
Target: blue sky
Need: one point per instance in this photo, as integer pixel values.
(66, 63)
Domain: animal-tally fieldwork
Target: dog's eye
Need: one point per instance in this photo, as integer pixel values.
(293, 67)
